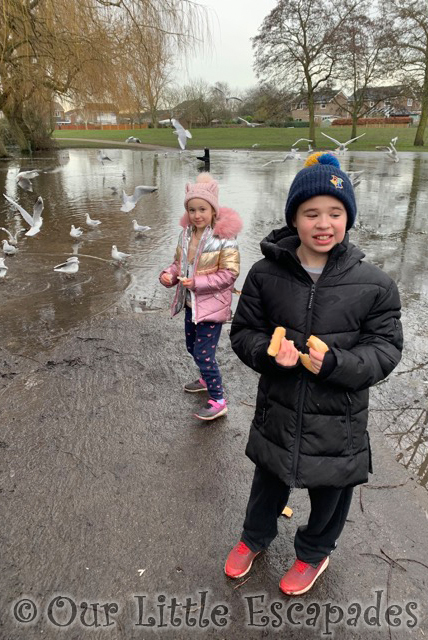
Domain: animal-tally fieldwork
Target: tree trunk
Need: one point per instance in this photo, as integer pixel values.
(3, 150)
(311, 109)
(419, 137)
(18, 129)
(354, 124)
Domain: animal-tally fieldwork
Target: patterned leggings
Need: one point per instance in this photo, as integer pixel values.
(201, 342)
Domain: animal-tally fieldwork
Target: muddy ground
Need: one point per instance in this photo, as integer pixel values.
(112, 492)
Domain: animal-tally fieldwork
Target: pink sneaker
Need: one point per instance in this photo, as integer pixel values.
(212, 410)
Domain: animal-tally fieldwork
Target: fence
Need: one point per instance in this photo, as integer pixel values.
(101, 127)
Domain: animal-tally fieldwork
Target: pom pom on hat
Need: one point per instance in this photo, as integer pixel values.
(321, 176)
(205, 188)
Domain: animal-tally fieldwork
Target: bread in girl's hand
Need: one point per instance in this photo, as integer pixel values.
(316, 344)
(275, 343)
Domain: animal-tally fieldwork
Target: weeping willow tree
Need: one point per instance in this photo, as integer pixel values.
(80, 49)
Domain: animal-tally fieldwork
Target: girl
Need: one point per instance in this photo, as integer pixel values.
(205, 267)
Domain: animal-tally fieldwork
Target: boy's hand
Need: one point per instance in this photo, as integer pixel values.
(287, 354)
(166, 278)
(316, 359)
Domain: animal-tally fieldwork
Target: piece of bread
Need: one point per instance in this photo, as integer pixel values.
(306, 362)
(275, 343)
(316, 344)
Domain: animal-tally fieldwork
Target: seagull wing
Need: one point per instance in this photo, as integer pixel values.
(182, 139)
(177, 126)
(188, 134)
(242, 120)
(37, 212)
(330, 138)
(353, 139)
(28, 174)
(28, 219)
(140, 191)
(217, 89)
(235, 98)
(8, 233)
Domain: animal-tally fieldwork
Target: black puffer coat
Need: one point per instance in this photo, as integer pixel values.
(310, 430)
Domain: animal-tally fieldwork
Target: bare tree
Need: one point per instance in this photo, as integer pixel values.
(298, 44)
(411, 26)
(365, 60)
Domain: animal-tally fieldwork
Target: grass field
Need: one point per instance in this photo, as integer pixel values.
(268, 138)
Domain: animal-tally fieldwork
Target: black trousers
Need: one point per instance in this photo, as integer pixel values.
(312, 542)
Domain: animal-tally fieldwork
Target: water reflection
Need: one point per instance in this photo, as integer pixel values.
(38, 305)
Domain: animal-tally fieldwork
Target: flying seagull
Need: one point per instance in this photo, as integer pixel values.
(129, 202)
(355, 177)
(101, 156)
(181, 133)
(250, 124)
(227, 98)
(390, 150)
(342, 147)
(13, 238)
(35, 221)
(24, 178)
(293, 155)
(70, 266)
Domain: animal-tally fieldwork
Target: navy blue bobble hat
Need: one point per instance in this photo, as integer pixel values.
(321, 176)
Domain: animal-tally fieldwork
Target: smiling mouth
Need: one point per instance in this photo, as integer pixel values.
(325, 237)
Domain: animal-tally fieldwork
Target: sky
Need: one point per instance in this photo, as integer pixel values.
(230, 59)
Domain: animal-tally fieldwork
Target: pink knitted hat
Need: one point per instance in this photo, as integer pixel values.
(205, 188)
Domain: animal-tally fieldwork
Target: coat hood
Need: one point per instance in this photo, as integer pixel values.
(227, 225)
(281, 244)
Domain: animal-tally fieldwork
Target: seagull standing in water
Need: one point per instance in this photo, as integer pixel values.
(342, 147)
(35, 221)
(3, 268)
(92, 223)
(8, 249)
(70, 266)
(118, 256)
(129, 202)
(75, 233)
(139, 228)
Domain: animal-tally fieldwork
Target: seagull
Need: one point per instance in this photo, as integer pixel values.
(293, 155)
(90, 222)
(35, 221)
(129, 202)
(250, 124)
(342, 146)
(355, 177)
(139, 228)
(133, 139)
(24, 179)
(181, 132)
(390, 150)
(113, 191)
(119, 256)
(227, 98)
(70, 266)
(101, 156)
(3, 268)
(302, 140)
(8, 249)
(254, 146)
(13, 239)
(75, 233)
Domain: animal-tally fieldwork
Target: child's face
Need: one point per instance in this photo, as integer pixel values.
(200, 213)
(321, 223)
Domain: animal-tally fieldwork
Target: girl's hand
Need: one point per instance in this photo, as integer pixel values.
(187, 282)
(166, 278)
(288, 355)
(316, 359)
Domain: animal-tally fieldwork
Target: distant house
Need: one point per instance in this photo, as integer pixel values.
(388, 101)
(329, 103)
(58, 113)
(93, 113)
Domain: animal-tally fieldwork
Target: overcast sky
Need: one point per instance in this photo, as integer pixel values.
(232, 24)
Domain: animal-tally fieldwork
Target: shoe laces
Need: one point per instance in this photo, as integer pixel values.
(301, 566)
(242, 548)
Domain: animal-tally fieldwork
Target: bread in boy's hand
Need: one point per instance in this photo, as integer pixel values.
(275, 343)
(316, 344)
(313, 343)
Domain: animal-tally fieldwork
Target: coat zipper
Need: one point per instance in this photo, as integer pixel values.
(348, 420)
(301, 395)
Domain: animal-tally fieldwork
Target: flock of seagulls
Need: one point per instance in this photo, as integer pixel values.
(35, 222)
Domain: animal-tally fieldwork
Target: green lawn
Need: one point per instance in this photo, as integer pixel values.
(268, 138)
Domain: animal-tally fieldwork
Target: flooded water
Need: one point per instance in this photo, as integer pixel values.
(39, 305)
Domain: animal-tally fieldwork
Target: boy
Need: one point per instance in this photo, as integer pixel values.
(309, 428)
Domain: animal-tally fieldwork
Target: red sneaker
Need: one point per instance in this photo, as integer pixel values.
(301, 577)
(239, 560)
